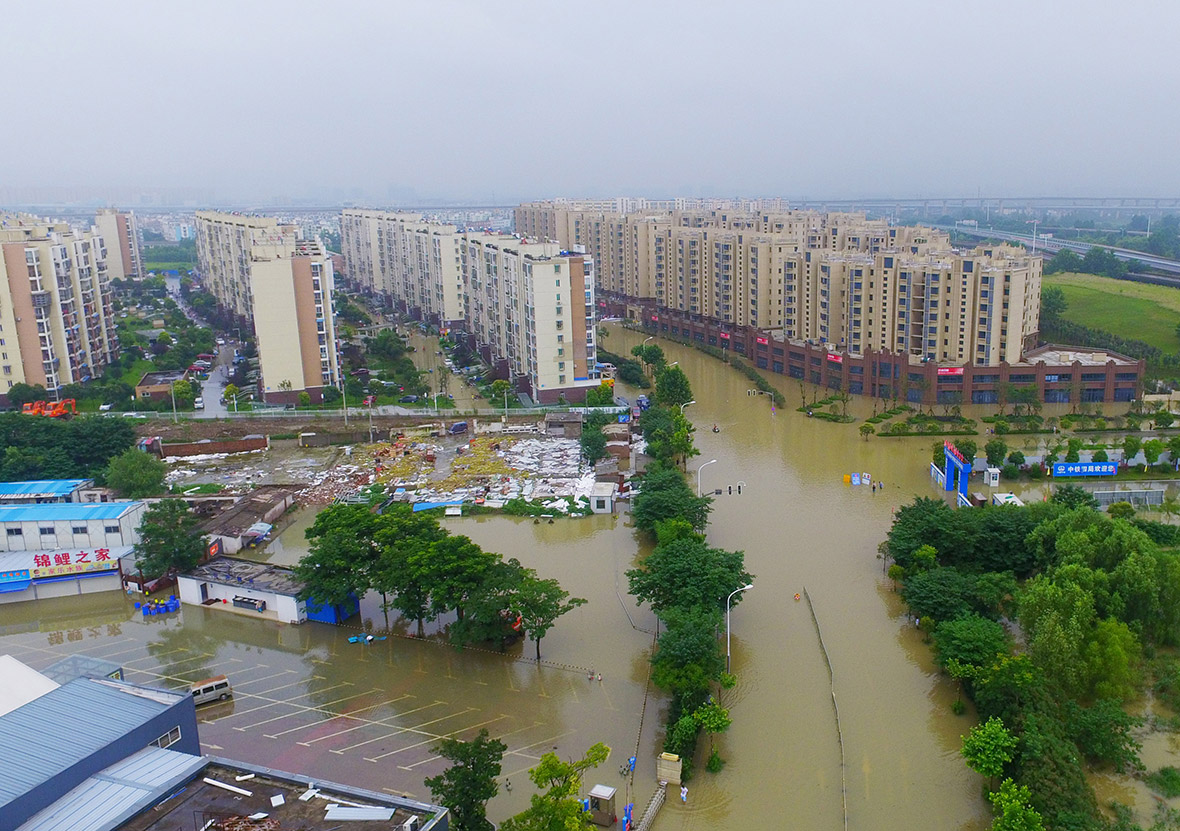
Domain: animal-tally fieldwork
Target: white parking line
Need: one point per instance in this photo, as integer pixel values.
(416, 728)
(238, 683)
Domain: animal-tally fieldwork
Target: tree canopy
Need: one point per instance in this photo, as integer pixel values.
(465, 787)
(168, 540)
(136, 474)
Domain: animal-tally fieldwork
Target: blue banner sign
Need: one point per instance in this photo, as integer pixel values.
(1085, 468)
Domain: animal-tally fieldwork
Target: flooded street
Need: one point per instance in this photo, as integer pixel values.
(308, 700)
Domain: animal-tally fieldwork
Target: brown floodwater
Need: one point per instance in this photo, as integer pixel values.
(308, 700)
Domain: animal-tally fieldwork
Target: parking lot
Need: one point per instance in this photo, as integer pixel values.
(307, 700)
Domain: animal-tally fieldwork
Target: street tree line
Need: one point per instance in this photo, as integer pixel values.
(424, 572)
(1092, 596)
(685, 580)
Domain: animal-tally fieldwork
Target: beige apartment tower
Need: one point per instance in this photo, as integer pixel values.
(57, 325)
(281, 285)
(837, 279)
(528, 305)
(120, 232)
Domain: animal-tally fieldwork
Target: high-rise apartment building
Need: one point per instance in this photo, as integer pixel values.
(57, 326)
(832, 278)
(281, 285)
(120, 232)
(529, 306)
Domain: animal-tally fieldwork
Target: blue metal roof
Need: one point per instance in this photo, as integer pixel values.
(65, 511)
(118, 793)
(61, 728)
(41, 487)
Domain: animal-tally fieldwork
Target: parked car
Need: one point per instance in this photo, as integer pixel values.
(408, 399)
(198, 403)
(458, 427)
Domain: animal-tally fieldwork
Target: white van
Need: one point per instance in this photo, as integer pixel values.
(216, 688)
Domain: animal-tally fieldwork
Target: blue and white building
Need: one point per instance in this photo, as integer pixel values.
(41, 491)
(70, 526)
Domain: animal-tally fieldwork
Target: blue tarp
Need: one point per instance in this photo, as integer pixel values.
(426, 506)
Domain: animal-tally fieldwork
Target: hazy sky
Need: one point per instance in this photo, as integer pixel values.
(384, 101)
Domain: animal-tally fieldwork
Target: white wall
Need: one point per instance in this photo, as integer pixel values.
(286, 608)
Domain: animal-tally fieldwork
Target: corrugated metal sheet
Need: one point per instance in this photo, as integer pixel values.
(65, 511)
(62, 727)
(41, 487)
(124, 789)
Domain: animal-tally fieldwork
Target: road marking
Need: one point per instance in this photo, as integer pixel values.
(238, 683)
(363, 722)
(432, 738)
(417, 728)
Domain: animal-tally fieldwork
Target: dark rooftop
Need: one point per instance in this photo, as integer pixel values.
(201, 805)
(228, 571)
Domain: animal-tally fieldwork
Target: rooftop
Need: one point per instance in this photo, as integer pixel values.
(236, 520)
(155, 379)
(228, 571)
(66, 511)
(20, 684)
(259, 789)
(43, 488)
(54, 732)
(1053, 354)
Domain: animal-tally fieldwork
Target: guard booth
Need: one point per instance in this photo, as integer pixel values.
(602, 805)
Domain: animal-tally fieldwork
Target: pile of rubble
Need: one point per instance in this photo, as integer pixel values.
(335, 483)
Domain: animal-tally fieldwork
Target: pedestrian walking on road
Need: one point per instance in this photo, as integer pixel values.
(684, 793)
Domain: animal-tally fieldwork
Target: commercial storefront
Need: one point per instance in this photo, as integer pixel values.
(37, 575)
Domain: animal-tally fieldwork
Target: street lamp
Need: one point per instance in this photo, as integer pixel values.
(746, 587)
(699, 469)
(685, 404)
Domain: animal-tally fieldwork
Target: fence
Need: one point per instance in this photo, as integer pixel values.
(835, 706)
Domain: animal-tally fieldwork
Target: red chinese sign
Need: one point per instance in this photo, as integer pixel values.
(836, 359)
(763, 341)
(64, 562)
(950, 370)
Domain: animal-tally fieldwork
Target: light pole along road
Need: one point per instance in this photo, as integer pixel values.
(746, 587)
(699, 469)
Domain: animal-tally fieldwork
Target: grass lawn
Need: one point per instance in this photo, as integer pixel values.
(137, 370)
(157, 267)
(1140, 311)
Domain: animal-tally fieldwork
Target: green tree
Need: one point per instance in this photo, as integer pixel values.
(1014, 812)
(454, 567)
(1131, 447)
(941, 594)
(593, 444)
(1152, 450)
(400, 534)
(672, 387)
(601, 396)
(341, 556)
(465, 787)
(20, 394)
(688, 573)
(1121, 510)
(1073, 496)
(970, 639)
(558, 808)
(867, 430)
(499, 389)
(995, 450)
(988, 747)
(713, 718)
(304, 400)
(664, 495)
(540, 602)
(169, 542)
(136, 474)
(687, 657)
(1105, 733)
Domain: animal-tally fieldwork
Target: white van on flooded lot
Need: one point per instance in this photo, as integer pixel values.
(216, 688)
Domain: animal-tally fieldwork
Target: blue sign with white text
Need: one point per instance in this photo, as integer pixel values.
(1085, 468)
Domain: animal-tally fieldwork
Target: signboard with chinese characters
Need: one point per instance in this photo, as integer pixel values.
(762, 341)
(950, 370)
(62, 563)
(834, 358)
(1085, 468)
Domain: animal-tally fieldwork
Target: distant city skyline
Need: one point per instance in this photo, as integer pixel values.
(368, 103)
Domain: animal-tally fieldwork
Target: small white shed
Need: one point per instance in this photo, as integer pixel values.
(602, 497)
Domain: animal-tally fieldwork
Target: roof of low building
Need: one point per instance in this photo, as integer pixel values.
(156, 379)
(66, 511)
(43, 487)
(118, 793)
(54, 732)
(229, 571)
(20, 684)
(1052, 353)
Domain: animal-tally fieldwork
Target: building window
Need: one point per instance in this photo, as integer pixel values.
(79, 529)
(48, 532)
(15, 532)
(168, 739)
(111, 529)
